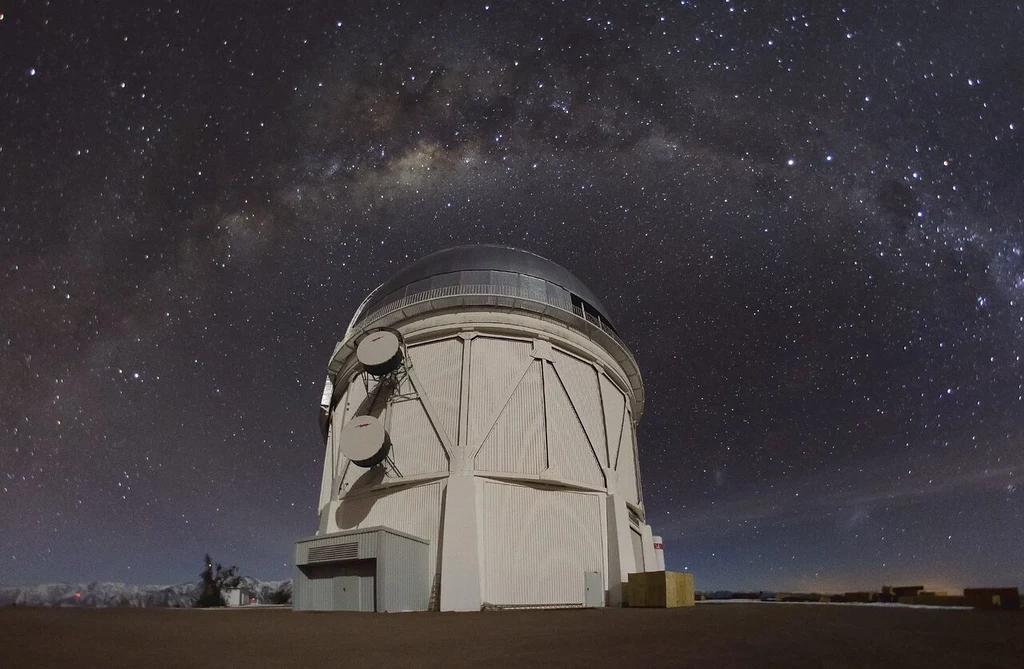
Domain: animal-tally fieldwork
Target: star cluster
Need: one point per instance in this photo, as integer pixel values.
(805, 219)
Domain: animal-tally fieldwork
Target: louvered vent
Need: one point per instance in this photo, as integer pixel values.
(335, 552)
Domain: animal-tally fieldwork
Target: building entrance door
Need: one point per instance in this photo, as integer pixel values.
(354, 587)
(594, 595)
(346, 593)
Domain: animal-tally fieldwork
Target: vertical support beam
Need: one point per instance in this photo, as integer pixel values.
(650, 560)
(544, 376)
(460, 568)
(461, 447)
(635, 454)
(620, 548)
(604, 419)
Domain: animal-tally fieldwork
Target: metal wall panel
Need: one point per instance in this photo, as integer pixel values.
(438, 367)
(569, 452)
(368, 594)
(495, 365)
(614, 404)
(353, 584)
(404, 582)
(517, 441)
(580, 380)
(538, 544)
(310, 593)
(415, 510)
(356, 395)
(626, 471)
(416, 448)
(355, 477)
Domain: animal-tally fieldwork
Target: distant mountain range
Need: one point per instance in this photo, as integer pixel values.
(122, 594)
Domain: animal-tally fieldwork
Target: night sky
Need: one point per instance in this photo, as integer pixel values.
(804, 217)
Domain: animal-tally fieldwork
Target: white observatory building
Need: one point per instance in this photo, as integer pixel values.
(480, 445)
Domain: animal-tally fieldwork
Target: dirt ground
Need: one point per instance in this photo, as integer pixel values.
(713, 635)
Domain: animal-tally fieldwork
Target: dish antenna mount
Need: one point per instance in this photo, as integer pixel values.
(385, 364)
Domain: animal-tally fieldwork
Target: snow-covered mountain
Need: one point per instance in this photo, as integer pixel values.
(123, 594)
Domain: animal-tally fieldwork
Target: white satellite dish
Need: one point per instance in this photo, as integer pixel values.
(364, 441)
(380, 352)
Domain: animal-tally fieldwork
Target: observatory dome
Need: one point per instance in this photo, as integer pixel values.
(479, 423)
(485, 265)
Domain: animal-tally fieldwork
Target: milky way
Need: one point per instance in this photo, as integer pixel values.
(804, 218)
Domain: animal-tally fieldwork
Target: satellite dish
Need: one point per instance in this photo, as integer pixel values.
(380, 352)
(364, 441)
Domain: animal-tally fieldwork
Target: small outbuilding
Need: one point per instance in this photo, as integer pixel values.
(993, 598)
(237, 596)
(371, 569)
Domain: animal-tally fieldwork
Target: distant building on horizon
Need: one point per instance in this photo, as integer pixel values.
(240, 596)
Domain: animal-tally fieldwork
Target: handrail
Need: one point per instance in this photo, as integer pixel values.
(498, 291)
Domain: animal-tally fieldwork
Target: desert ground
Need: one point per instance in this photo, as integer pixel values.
(734, 635)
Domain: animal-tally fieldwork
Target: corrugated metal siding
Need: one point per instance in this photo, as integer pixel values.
(439, 369)
(356, 395)
(516, 443)
(311, 594)
(569, 452)
(367, 545)
(415, 510)
(614, 401)
(352, 475)
(368, 589)
(538, 544)
(403, 578)
(416, 448)
(319, 587)
(495, 364)
(581, 382)
(626, 471)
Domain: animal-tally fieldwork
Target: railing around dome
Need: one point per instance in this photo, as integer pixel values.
(514, 292)
(496, 290)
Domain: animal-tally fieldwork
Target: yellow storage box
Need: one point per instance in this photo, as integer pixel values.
(661, 589)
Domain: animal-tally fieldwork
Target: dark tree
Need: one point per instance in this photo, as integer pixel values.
(282, 595)
(215, 579)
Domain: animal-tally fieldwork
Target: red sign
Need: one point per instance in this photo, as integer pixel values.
(657, 547)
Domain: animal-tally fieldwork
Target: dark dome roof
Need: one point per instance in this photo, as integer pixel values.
(484, 257)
